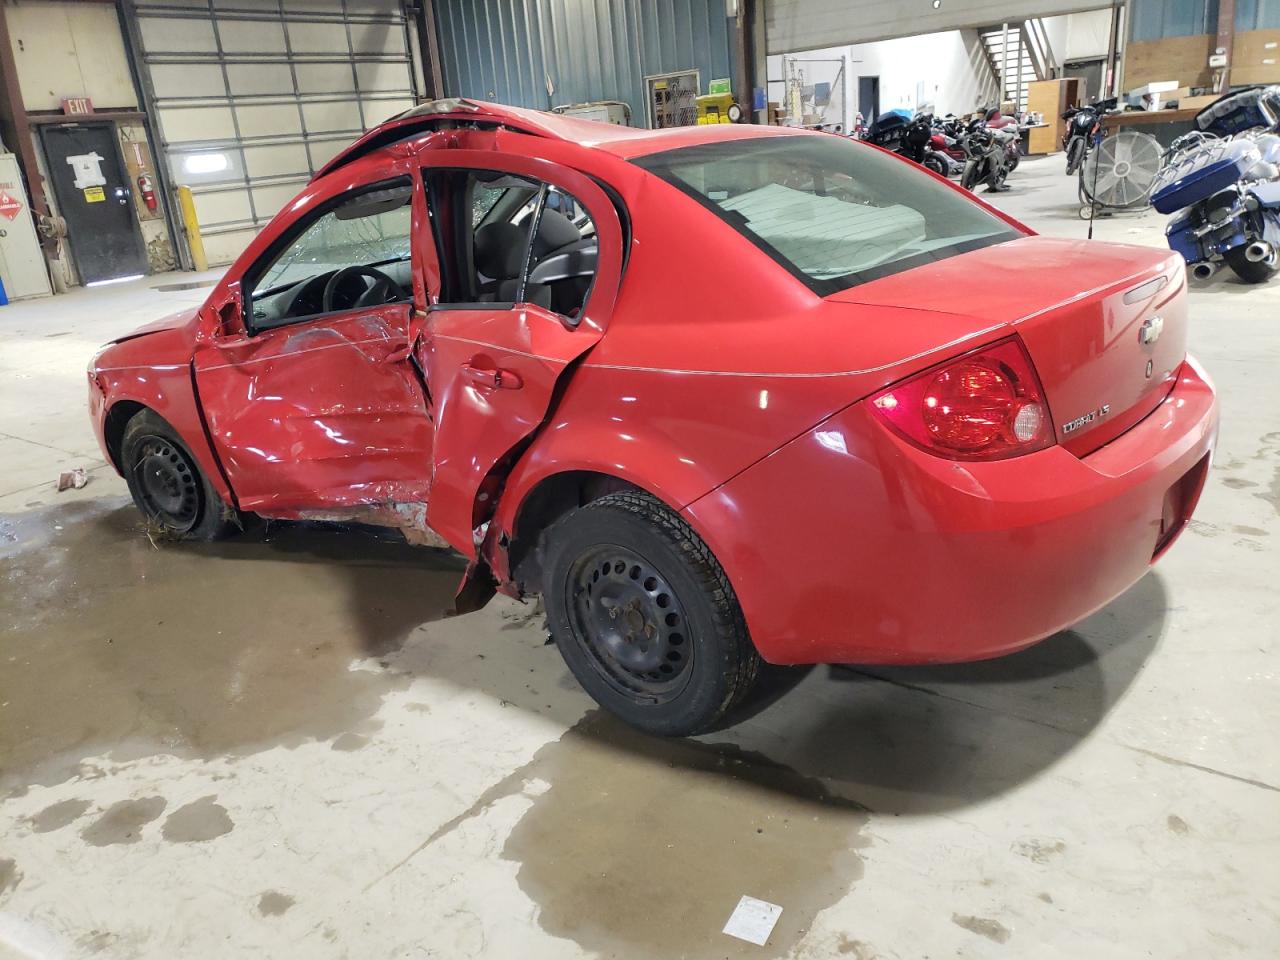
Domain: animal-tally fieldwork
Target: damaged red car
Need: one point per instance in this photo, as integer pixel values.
(721, 394)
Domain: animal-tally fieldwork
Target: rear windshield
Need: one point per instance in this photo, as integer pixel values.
(832, 212)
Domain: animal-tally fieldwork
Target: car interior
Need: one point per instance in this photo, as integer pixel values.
(357, 254)
(514, 240)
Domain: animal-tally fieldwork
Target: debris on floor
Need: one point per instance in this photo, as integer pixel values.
(752, 920)
(72, 479)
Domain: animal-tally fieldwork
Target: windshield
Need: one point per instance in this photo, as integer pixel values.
(832, 212)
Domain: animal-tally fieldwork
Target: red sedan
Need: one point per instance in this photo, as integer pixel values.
(721, 394)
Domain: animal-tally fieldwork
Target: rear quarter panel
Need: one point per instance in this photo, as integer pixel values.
(715, 356)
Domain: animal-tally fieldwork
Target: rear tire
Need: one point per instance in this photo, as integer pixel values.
(1075, 154)
(1251, 272)
(168, 486)
(645, 617)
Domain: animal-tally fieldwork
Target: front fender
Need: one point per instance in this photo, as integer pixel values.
(154, 371)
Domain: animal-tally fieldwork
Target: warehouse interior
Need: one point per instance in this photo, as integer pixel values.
(309, 738)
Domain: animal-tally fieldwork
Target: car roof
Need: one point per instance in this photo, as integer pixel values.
(624, 142)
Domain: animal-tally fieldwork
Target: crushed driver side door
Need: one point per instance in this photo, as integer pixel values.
(323, 415)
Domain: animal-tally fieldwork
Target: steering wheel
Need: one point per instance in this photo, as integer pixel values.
(381, 292)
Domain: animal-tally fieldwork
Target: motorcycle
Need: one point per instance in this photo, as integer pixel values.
(1084, 124)
(1008, 126)
(987, 149)
(948, 156)
(1222, 183)
(910, 136)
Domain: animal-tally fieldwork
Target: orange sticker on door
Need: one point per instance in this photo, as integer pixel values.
(94, 195)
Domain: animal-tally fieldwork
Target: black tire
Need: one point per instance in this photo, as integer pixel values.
(645, 617)
(1012, 161)
(935, 164)
(1075, 154)
(1249, 271)
(168, 486)
(969, 179)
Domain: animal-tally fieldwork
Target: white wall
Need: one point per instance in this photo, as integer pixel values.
(804, 24)
(69, 50)
(1079, 36)
(1088, 35)
(945, 69)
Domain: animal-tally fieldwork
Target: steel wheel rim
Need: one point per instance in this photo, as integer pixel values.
(629, 622)
(166, 483)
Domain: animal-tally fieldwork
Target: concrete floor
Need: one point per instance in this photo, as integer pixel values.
(276, 746)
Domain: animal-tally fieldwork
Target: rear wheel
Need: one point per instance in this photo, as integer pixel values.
(1075, 154)
(167, 485)
(645, 617)
(1250, 271)
(934, 163)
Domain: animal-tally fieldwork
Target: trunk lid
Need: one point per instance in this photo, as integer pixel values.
(1105, 324)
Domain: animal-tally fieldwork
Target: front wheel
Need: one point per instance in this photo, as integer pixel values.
(1075, 154)
(969, 179)
(645, 617)
(1252, 271)
(167, 485)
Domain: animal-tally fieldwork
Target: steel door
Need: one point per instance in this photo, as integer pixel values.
(95, 198)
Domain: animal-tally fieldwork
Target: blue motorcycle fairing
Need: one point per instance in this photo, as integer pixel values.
(1201, 173)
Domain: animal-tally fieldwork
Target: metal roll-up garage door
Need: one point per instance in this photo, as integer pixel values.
(251, 97)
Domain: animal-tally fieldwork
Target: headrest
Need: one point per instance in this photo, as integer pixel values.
(555, 230)
(499, 250)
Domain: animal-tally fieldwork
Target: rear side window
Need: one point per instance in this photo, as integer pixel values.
(518, 240)
(833, 213)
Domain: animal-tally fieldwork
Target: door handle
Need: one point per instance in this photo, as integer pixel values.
(493, 379)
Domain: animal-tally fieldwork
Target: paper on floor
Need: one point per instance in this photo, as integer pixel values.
(752, 920)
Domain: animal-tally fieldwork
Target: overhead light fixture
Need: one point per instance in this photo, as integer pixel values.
(205, 162)
(937, 4)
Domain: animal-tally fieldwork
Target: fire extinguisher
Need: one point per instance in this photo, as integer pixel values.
(147, 187)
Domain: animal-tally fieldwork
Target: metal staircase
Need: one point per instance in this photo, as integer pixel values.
(1018, 54)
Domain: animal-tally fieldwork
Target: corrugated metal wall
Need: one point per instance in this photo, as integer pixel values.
(544, 53)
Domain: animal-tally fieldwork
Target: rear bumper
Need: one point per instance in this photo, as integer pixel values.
(849, 545)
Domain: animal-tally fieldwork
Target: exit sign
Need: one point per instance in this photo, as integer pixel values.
(76, 106)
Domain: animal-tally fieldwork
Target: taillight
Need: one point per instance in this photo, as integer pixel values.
(986, 405)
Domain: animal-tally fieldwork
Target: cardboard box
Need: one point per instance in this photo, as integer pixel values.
(1197, 103)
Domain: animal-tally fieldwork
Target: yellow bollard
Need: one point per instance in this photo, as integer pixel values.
(194, 241)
